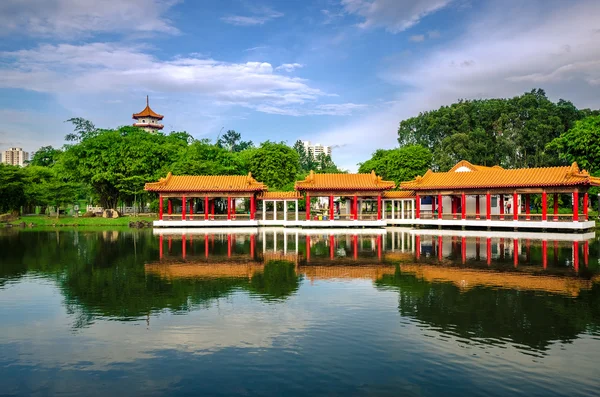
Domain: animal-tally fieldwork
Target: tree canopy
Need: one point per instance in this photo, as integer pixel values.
(512, 133)
(400, 164)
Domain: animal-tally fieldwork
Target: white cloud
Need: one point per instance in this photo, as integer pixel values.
(433, 34)
(540, 47)
(289, 67)
(417, 38)
(112, 69)
(395, 15)
(329, 109)
(259, 18)
(74, 18)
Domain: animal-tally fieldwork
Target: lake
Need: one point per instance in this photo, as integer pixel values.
(293, 312)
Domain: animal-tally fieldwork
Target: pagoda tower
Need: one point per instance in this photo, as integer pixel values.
(148, 120)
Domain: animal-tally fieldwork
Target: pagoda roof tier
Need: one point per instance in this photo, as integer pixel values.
(399, 194)
(344, 182)
(206, 183)
(279, 196)
(465, 175)
(149, 125)
(147, 112)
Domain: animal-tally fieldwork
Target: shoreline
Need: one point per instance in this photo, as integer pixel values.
(42, 221)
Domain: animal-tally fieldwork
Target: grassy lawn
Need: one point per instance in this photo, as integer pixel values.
(43, 220)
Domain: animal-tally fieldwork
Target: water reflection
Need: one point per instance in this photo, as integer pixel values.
(330, 290)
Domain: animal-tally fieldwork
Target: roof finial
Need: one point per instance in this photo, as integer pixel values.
(147, 101)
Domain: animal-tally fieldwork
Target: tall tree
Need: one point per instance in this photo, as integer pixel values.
(46, 156)
(400, 164)
(275, 164)
(232, 141)
(580, 144)
(509, 132)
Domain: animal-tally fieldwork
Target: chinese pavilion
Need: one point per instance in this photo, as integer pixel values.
(468, 194)
(359, 192)
(204, 198)
(148, 119)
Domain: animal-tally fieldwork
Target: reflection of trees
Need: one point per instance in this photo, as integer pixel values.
(102, 276)
(276, 282)
(530, 318)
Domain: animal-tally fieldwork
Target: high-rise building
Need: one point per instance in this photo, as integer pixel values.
(316, 149)
(148, 120)
(15, 156)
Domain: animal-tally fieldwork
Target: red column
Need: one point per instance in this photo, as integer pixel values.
(205, 208)
(228, 208)
(585, 207)
(440, 248)
(544, 206)
(379, 207)
(355, 246)
(453, 200)
(212, 208)
(575, 206)
(555, 207)
(252, 245)
(160, 246)
(418, 207)
(308, 248)
(308, 207)
(463, 249)
(331, 246)
(477, 209)
(515, 206)
(463, 206)
(488, 249)
(516, 252)
(233, 207)
(545, 254)
(183, 204)
(169, 206)
(418, 245)
(586, 253)
(229, 245)
(331, 208)
(501, 204)
(527, 204)
(191, 207)
(488, 206)
(160, 207)
(169, 244)
(440, 207)
(379, 247)
(183, 246)
(252, 207)
(355, 207)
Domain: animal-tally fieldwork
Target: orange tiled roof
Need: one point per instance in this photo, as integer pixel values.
(344, 182)
(496, 177)
(206, 183)
(279, 195)
(399, 194)
(147, 112)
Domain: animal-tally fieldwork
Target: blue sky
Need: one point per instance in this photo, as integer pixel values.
(338, 72)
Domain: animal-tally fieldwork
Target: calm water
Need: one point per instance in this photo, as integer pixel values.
(399, 313)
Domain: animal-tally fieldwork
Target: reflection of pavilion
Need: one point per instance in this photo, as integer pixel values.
(370, 256)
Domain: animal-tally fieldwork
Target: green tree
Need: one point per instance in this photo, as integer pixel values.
(400, 164)
(509, 132)
(232, 141)
(12, 193)
(275, 164)
(46, 156)
(82, 129)
(580, 144)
